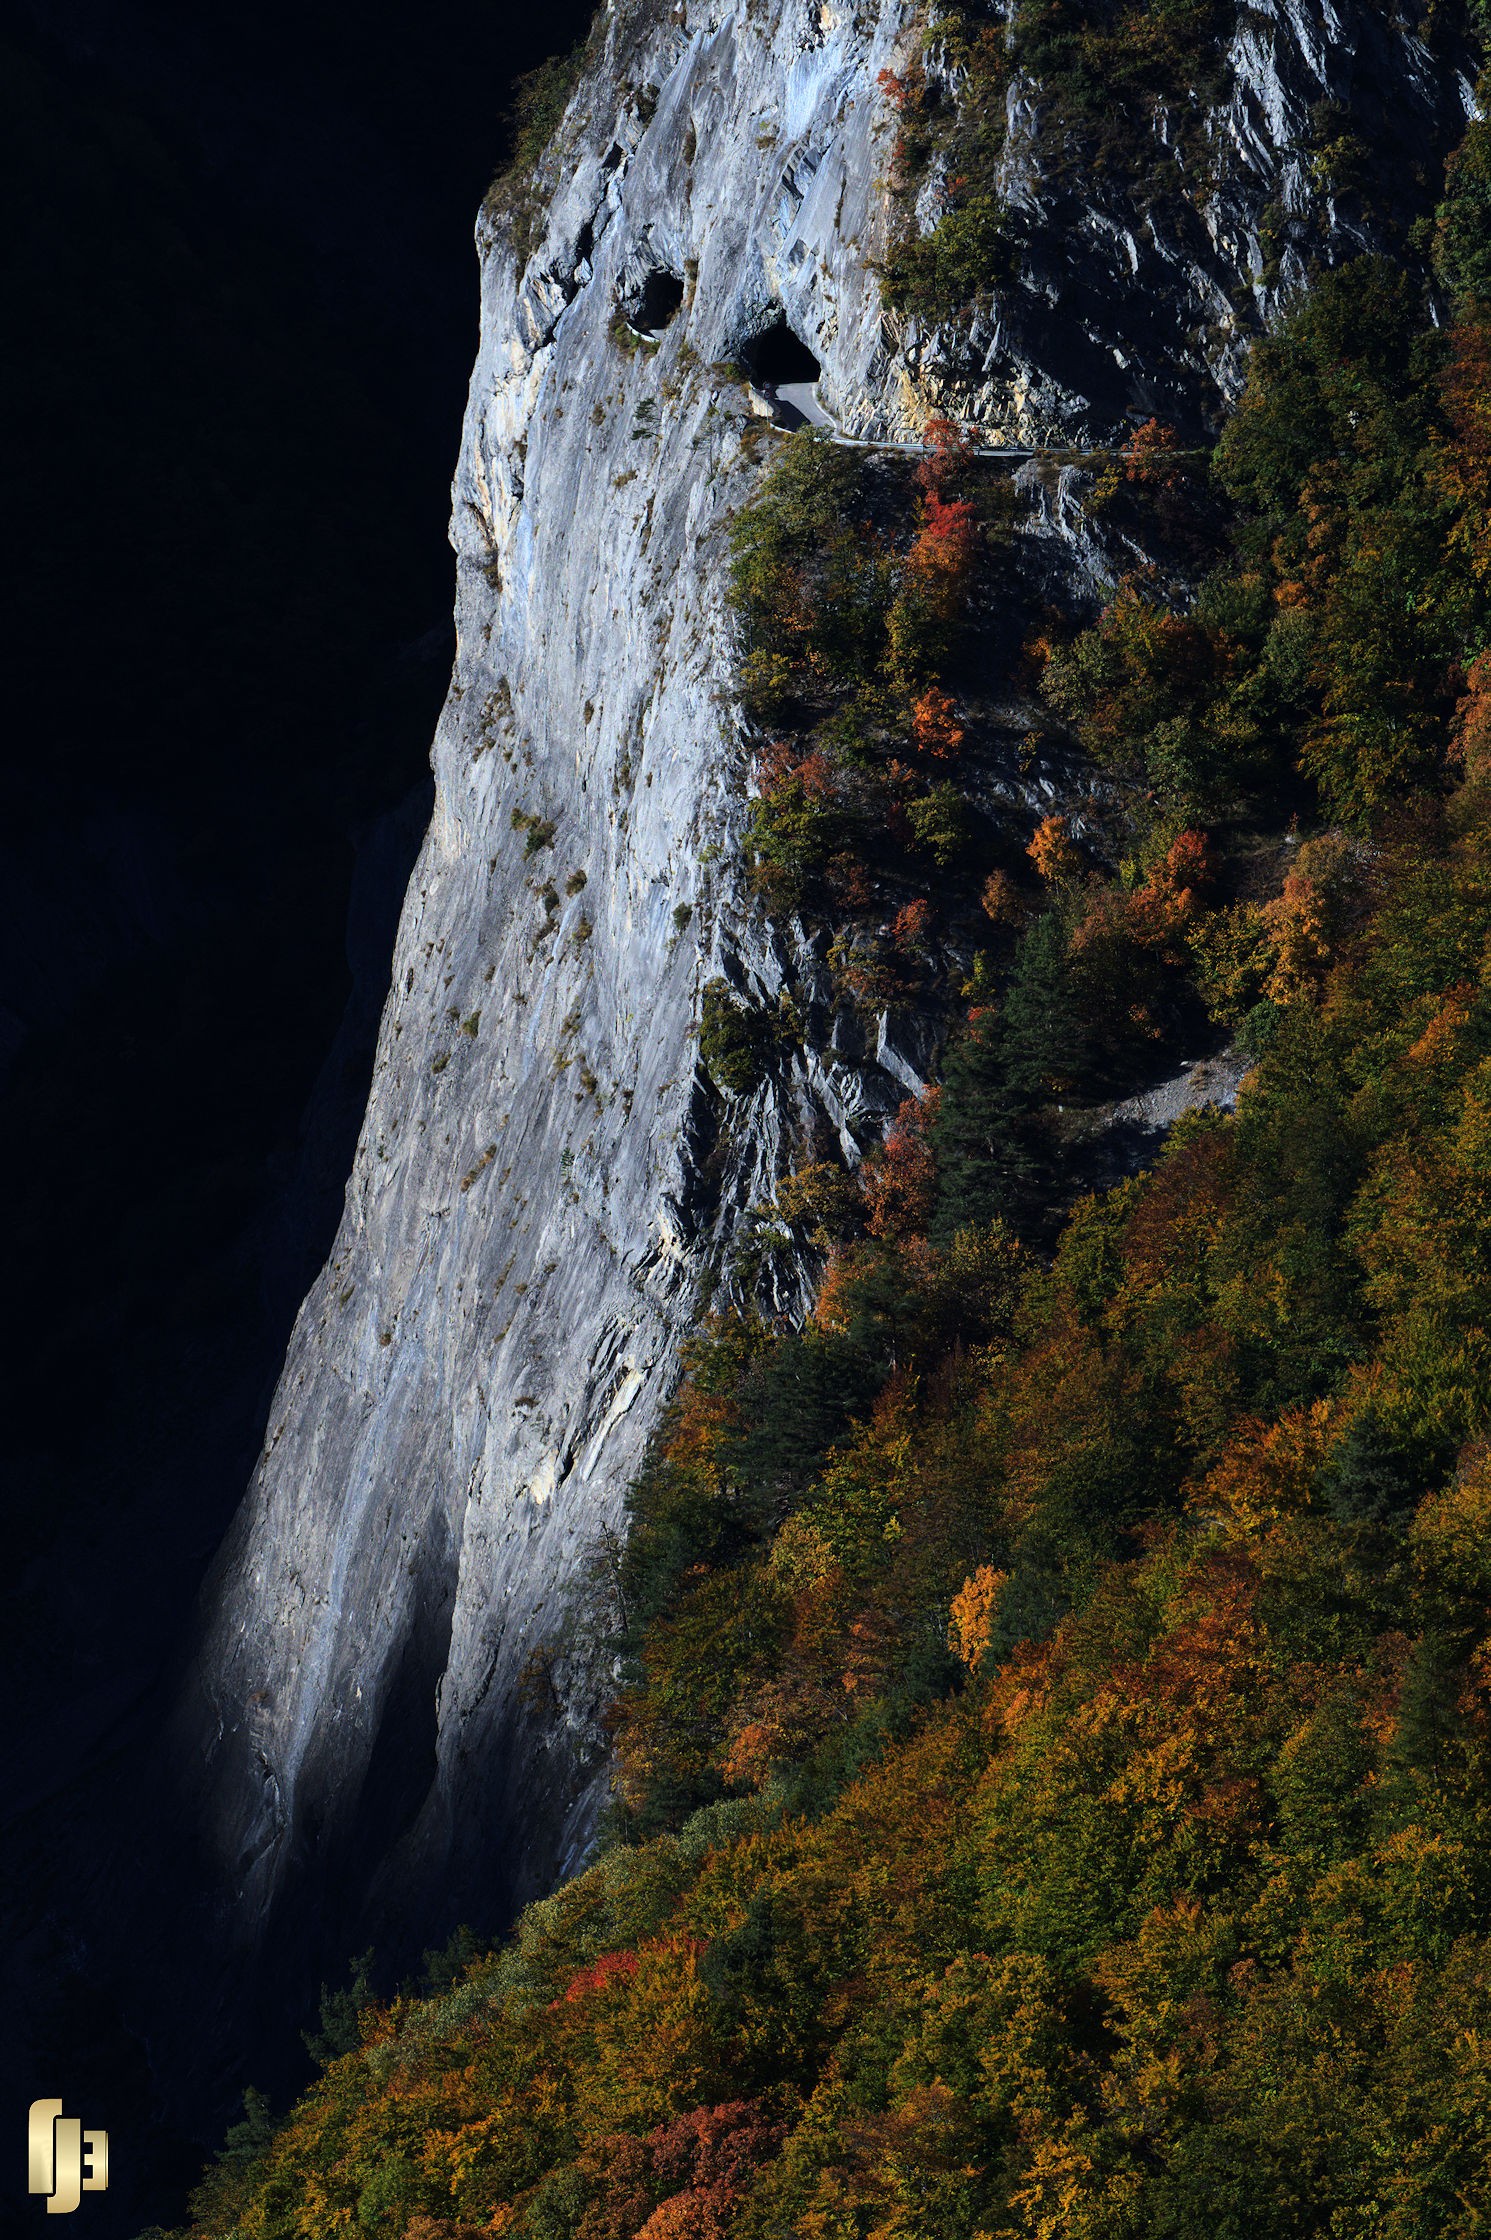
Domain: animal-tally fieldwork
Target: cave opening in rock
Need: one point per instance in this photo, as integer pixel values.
(777, 356)
(656, 301)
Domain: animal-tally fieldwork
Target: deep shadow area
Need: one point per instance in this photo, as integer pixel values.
(241, 303)
(777, 355)
(657, 302)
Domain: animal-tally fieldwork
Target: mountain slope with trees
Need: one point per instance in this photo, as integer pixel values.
(1052, 1763)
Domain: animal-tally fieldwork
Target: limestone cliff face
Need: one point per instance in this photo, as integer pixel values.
(544, 1175)
(1141, 286)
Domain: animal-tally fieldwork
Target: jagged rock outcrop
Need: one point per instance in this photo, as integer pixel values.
(394, 1690)
(1141, 283)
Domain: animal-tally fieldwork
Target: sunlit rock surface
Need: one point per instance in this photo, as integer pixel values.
(398, 1688)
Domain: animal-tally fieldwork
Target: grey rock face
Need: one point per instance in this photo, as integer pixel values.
(538, 1185)
(1139, 294)
(393, 1687)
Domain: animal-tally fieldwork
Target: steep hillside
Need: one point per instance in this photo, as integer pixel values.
(682, 927)
(1055, 1759)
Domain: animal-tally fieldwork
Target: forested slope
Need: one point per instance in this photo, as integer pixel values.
(1052, 1790)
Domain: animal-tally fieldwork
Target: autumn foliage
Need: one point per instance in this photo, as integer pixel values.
(853, 587)
(1053, 1748)
(898, 1186)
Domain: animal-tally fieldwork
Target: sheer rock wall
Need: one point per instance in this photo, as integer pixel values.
(395, 1699)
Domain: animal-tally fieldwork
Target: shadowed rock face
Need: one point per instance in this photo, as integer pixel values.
(395, 1704)
(234, 379)
(1139, 294)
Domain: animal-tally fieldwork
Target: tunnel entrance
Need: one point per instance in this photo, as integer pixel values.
(777, 356)
(656, 302)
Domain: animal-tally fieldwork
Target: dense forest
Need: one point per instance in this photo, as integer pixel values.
(1053, 1765)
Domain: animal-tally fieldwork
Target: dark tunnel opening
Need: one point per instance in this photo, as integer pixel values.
(656, 302)
(777, 355)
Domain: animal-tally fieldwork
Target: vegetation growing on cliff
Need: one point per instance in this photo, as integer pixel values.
(540, 98)
(1121, 96)
(855, 583)
(1115, 84)
(1055, 1759)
